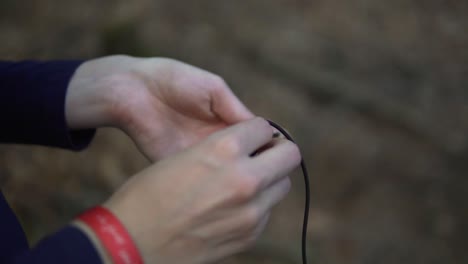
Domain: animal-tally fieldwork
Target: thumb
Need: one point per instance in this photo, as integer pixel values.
(228, 107)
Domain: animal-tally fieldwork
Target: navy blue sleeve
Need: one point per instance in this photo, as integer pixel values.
(68, 246)
(32, 104)
(32, 111)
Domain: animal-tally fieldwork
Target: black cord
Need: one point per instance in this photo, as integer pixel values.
(307, 193)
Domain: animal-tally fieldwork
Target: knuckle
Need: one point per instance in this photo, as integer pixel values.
(250, 220)
(249, 241)
(245, 188)
(263, 125)
(252, 232)
(219, 82)
(226, 146)
(293, 151)
(163, 59)
(286, 186)
(210, 162)
(264, 122)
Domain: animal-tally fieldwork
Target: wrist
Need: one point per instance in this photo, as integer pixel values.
(95, 92)
(109, 236)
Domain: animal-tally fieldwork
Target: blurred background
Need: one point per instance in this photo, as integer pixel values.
(375, 93)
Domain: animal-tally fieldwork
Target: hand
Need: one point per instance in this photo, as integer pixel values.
(162, 104)
(209, 201)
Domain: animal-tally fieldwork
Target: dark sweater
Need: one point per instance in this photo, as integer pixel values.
(32, 111)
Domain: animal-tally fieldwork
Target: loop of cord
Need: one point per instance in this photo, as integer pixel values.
(307, 194)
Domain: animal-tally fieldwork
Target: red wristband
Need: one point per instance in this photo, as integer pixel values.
(112, 234)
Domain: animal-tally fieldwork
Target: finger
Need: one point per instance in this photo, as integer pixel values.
(276, 162)
(271, 196)
(243, 138)
(244, 220)
(276, 135)
(240, 241)
(228, 226)
(227, 106)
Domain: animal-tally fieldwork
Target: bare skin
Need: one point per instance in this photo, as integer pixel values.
(206, 198)
(162, 104)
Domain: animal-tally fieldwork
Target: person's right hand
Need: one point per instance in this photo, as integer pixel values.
(210, 201)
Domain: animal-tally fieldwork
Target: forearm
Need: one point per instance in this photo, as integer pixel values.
(32, 104)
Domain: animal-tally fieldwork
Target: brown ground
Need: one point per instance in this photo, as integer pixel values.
(374, 91)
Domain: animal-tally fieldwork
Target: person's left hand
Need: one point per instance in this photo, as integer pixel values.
(162, 104)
